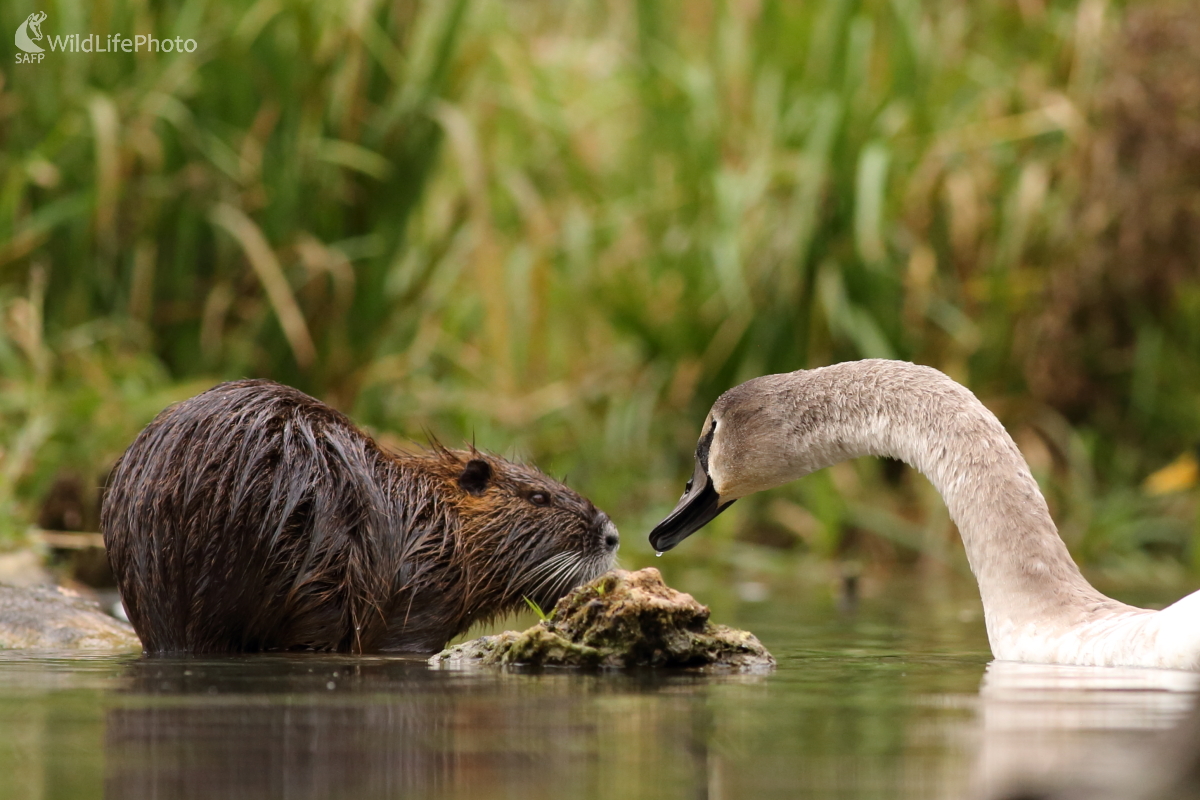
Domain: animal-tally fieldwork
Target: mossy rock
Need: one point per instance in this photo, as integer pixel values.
(621, 619)
(56, 618)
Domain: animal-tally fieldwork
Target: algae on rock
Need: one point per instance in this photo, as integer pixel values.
(621, 619)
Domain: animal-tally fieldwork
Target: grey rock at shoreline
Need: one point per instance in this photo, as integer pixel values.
(23, 568)
(57, 618)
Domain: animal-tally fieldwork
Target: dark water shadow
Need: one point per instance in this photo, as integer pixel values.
(324, 727)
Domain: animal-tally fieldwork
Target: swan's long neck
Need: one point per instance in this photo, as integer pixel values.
(1027, 579)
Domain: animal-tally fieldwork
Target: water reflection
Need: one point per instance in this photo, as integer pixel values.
(1077, 731)
(894, 701)
(388, 728)
(331, 727)
(334, 727)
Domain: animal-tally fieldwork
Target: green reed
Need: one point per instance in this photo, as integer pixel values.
(561, 231)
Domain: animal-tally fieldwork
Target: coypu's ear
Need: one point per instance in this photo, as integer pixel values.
(475, 476)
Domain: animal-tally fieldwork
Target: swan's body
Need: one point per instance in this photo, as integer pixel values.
(1037, 605)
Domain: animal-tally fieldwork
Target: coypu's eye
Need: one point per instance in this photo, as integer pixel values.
(539, 498)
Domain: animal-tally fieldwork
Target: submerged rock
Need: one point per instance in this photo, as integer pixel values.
(57, 618)
(621, 619)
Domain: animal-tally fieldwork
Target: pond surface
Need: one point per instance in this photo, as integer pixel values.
(881, 702)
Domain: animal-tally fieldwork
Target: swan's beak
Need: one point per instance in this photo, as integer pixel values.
(699, 504)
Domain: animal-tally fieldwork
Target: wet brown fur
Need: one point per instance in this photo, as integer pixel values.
(253, 517)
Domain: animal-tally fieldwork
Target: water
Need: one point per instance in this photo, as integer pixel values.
(883, 701)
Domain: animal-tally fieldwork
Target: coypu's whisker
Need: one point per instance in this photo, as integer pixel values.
(534, 574)
(549, 564)
(566, 577)
(569, 581)
(549, 589)
(550, 570)
(522, 551)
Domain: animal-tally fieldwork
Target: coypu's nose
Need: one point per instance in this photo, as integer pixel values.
(611, 538)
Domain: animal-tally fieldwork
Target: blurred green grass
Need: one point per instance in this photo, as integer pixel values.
(561, 230)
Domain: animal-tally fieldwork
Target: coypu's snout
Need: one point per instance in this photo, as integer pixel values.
(610, 537)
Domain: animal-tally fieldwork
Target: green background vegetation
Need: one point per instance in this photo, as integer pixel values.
(561, 230)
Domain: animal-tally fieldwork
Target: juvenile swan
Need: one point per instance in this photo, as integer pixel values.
(1037, 606)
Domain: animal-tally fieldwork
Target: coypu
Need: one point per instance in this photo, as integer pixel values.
(254, 517)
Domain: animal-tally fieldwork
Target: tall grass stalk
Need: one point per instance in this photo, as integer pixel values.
(557, 230)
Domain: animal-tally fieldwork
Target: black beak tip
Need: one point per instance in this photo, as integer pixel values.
(695, 510)
(662, 540)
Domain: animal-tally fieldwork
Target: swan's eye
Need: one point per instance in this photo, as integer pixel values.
(539, 498)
